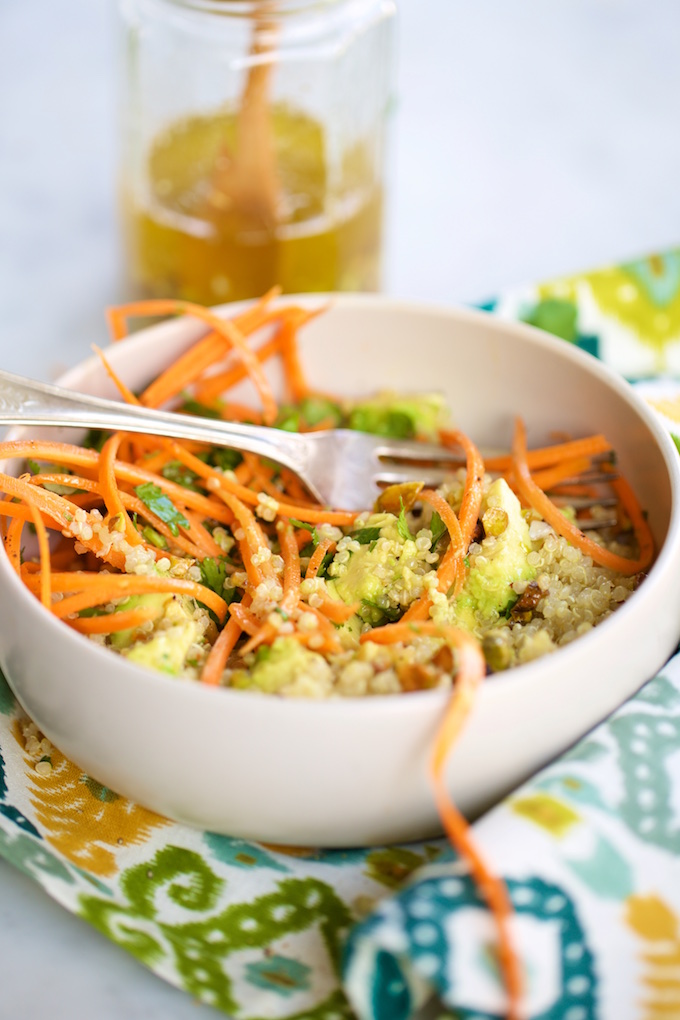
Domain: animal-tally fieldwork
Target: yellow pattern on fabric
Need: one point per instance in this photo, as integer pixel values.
(82, 819)
(548, 812)
(653, 920)
(626, 294)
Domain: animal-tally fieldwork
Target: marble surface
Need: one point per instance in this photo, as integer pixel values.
(530, 138)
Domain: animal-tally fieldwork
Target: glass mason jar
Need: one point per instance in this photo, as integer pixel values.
(253, 138)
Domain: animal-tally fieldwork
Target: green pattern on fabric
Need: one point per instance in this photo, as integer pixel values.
(199, 950)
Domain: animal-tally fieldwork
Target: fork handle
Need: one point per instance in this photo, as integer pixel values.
(26, 402)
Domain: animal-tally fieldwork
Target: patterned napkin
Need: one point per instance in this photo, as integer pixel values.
(590, 847)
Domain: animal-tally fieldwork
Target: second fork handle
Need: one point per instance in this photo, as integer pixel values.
(26, 402)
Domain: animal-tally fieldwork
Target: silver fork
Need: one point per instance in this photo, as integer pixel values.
(340, 467)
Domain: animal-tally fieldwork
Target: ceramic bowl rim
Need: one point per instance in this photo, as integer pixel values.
(663, 562)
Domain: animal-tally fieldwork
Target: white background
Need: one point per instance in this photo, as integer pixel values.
(530, 138)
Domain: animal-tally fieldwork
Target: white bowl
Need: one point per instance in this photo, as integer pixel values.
(354, 772)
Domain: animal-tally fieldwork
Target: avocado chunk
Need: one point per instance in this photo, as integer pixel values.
(167, 648)
(390, 414)
(378, 572)
(123, 638)
(487, 592)
(281, 666)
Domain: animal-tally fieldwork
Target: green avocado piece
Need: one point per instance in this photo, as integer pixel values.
(487, 592)
(123, 638)
(167, 649)
(359, 582)
(390, 414)
(287, 660)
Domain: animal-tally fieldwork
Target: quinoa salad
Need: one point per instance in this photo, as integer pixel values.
(214, 567)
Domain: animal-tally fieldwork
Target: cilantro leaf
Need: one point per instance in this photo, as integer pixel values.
(178, 473)
(389, 614)
(225, 460)
(161, 505)
(366, 535)
(154, 538)
(95, 439)
(437, 527)
(214, 573)
(191, 406)
(301, 524)
(288, 419)
(325, 564)
(402, 525)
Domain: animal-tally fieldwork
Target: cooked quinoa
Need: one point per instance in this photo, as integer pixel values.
(527, 592)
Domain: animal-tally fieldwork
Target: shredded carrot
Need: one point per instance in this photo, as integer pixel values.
(298, 387)
(126, 393)
(316, 559)
(337, 611)
(113, 623)
(291, 586)
(246, 619)
(220, 483)
(44, 551)
(109, 488)
(470, 673)
(549, 478)
(546, 456)
(536, 498)
(13, 543)
(94, 589)
(225, 328)
(220, 652)
(215, 385)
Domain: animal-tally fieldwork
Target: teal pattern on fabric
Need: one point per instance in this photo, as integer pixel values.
(411, 930)
(7, 700)
(646, 742)
(660, 284)
(240, 854)
(281, 974)
(32, 857)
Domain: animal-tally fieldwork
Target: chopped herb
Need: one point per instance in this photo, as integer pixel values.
(366, 535)
(402, 525)
(307, 550)
(225, 460)
(676, 440)
(161, 505)
(176, 472)
(301, 524)
(325, 564)
(214, 573)
(466, 561)
(153, 537)
(92, 611)
(33, 466)
(317, 409)
(389, 614)
(311, 529)
(372, 545)
(288, 419)
(191, 406)
(437, 527)
(95, 439)
(382, 422)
